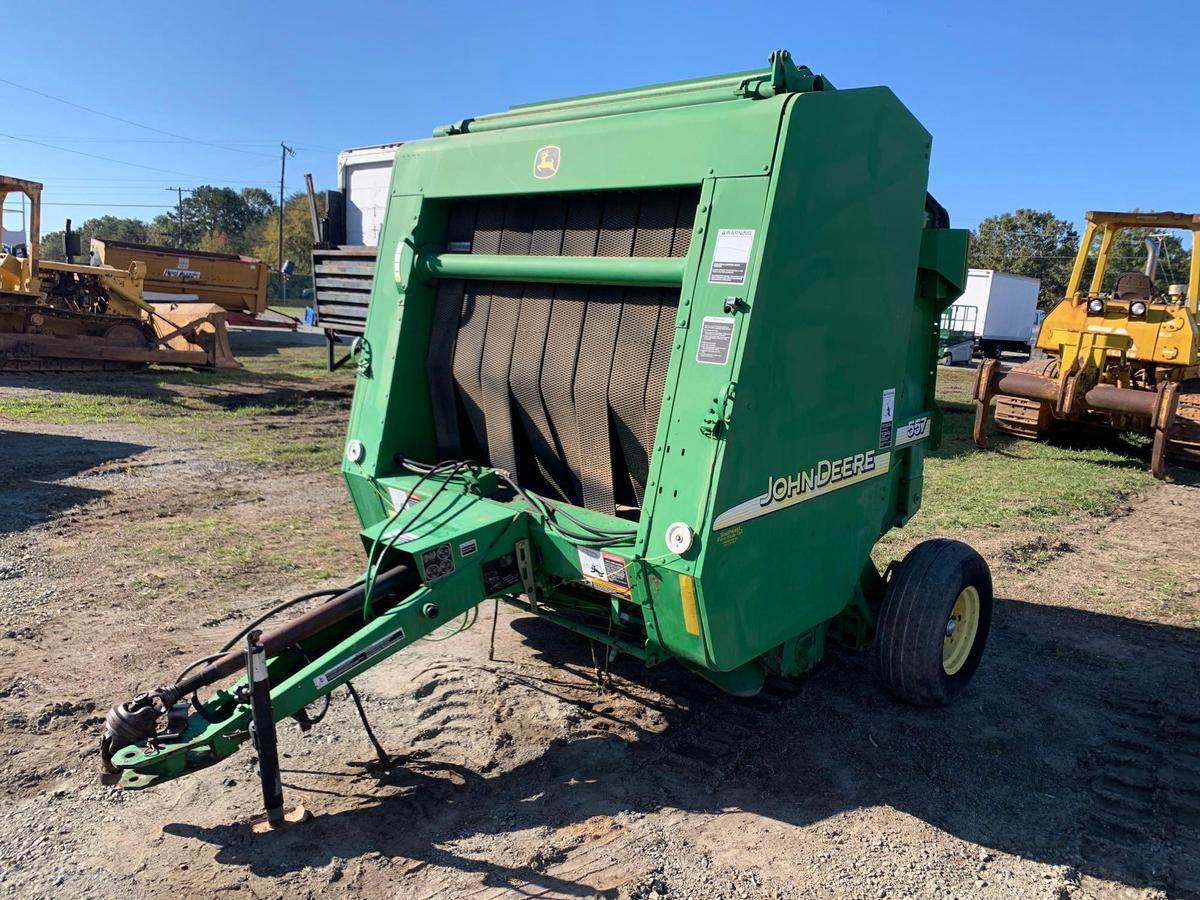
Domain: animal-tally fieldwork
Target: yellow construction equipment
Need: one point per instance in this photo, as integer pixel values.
(1126, 360)
(57, 317)
(238, 284)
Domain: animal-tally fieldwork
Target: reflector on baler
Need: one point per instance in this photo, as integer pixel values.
(611, 375)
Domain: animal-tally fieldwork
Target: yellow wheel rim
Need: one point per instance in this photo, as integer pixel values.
(961, 628)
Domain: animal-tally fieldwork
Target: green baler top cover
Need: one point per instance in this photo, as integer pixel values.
(705, 310)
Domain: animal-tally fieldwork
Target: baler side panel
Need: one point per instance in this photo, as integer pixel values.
(839, 266)
(685, 456)
(392, 411)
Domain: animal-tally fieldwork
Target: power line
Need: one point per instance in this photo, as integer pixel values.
(113, 205)
(120, 162)
(111, 180)
(129, 121)
(91, 140)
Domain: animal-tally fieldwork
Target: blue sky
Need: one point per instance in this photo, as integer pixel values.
(1049, 104)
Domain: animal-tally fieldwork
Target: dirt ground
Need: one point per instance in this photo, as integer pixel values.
(1070, 768)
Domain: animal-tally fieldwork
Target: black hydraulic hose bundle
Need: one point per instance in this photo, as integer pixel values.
(136, 720)
(401, 579)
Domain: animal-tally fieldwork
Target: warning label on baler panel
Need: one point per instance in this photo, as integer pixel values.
(402, 499)
(716, 336)
(887, 415)
(604, 570)
(731, 256)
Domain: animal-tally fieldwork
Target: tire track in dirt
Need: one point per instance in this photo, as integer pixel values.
(1145, 791)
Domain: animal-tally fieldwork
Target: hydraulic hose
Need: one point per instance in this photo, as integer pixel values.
(402, 579)
(137, 719)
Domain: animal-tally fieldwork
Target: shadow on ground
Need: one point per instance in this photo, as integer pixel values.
(36, 467)
(1077, 745)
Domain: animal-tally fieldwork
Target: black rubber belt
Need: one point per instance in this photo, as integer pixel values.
(562, 340)
(439, 361)
(473, 320)
(595, 367)
(498, 342)
(664, 336)
(635, 341)
(529, 349)
(584, 368)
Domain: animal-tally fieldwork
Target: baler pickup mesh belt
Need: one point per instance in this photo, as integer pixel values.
(560, 384)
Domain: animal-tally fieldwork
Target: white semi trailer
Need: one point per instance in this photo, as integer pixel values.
(1003, 307)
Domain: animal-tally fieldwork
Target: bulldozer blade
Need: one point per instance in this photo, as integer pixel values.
(192, 326)
(985, 387)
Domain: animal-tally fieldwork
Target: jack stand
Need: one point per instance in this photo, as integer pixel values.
(385, 759)
(262, 732)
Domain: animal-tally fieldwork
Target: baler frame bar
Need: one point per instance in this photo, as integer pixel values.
(633, 271)
(783, 77)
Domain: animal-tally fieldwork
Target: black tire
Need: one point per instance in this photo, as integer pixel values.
(947, 359)
(913, 634)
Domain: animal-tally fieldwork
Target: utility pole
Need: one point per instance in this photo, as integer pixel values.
(179, 211)
(284, 152)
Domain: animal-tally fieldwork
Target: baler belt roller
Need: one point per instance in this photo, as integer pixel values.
(552, 333)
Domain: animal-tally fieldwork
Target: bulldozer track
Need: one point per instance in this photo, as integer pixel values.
(709, 731)
(1184, 438)
(1022, 417)
(19, 318)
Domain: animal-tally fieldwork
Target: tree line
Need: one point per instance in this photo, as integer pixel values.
(1024, 242)
(215, 219)
(1041, 245)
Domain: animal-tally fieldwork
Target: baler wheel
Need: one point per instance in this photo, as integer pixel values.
(934, 622)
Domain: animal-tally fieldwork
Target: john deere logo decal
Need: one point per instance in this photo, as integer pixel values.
(545, 162)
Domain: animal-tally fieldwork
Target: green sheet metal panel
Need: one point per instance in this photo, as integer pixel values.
(826, 330)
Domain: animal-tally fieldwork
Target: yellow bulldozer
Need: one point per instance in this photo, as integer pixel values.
(1127, 359)
(62, 317)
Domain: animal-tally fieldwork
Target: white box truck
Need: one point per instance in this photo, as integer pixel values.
(1003, 307)
(364, 176)
(343, 257)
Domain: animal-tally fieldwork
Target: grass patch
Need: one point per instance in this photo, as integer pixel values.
(1017, 483)
(223, 548)
(1031, 555)
(213, 406)
(296, 312)
(274, 448)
